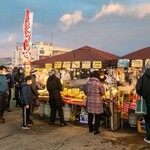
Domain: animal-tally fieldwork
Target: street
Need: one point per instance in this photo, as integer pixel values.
(74, 136)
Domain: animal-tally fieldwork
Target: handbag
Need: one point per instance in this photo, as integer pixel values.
(37, 102)
(141, 108)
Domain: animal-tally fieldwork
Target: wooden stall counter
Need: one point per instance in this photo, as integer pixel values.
(68, 100)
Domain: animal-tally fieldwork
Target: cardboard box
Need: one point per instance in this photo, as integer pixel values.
(141, 126)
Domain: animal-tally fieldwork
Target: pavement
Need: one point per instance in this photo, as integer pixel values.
(74, 136)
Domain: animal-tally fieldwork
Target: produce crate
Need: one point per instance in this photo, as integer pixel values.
(141, 126)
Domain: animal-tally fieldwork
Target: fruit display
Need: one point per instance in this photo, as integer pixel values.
(43, 92)
(73, 93)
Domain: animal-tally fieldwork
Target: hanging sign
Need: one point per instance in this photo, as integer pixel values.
(123, 63)
(137, 63)
(86, 64)
(27, 31)
(48, 66)
(57, 65)
(66, 64)
(97, 64)
(76, 64)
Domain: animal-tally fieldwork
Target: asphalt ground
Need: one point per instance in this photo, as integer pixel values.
(74, 136)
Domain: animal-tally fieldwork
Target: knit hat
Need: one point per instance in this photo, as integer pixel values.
(52, 72)
(33, 71)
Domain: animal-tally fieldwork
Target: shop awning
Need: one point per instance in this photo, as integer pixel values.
(85, 53)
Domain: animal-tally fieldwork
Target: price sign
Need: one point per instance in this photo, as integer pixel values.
(57, 65)
(48, 66)
(97, 64)
(137, 63)
(86, 64)
(66, 64)
(76, 64)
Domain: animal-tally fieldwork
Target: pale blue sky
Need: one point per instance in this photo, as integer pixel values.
(115, 26)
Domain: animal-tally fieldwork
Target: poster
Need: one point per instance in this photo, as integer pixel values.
(123, 63)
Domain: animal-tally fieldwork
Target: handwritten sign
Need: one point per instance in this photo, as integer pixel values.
(76, 64)
(86, 64)
(66, 64)
(57, 65)
(137, 63)
(48, 66)
(97, 64)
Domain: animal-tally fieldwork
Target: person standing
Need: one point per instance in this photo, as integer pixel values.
(10, 82)
(94, 91)
(19, 78)
(54, 87)
(34, 88)
(143, 89)
(26, 99)
(3, 92)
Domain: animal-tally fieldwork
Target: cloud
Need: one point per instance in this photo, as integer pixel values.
(139, 11)
(11, 39)
(68, 20)
(110, 9)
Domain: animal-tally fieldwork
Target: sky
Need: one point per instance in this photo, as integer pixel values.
(115, 26)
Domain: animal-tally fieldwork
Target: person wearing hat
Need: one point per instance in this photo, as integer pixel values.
(143, 89)
(54, 87)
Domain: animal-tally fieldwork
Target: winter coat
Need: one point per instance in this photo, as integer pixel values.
(26, 94)
(54, 87)
(3, 85)
(94, 91)
(143, 89)
(19, 78)
(10, 80)
(34, 87)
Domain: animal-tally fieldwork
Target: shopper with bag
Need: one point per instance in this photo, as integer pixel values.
(143, 89)
(94, 91)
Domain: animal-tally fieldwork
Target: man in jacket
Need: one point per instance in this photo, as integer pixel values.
(19, 78)
(3, 92)
(34, 88)
(54, 87)
(143, 89)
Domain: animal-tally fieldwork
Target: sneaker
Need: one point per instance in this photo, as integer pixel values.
(148, 141)
(29, 124)
(63, 124)
(26, 127)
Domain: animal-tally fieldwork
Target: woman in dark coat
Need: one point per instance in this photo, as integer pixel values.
(143, 89)
(54, 87)
(94, 91)
(19, 79)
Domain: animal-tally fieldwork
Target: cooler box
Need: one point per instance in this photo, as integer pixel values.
(141, 126)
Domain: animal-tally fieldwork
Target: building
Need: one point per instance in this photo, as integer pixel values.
(39, 50)
(6, 61)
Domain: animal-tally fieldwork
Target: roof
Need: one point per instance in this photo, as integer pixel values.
(85, 53)
(139, 54)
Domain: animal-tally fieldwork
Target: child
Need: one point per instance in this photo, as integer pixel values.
(26, 97)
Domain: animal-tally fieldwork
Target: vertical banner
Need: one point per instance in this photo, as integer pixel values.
(27, 32)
